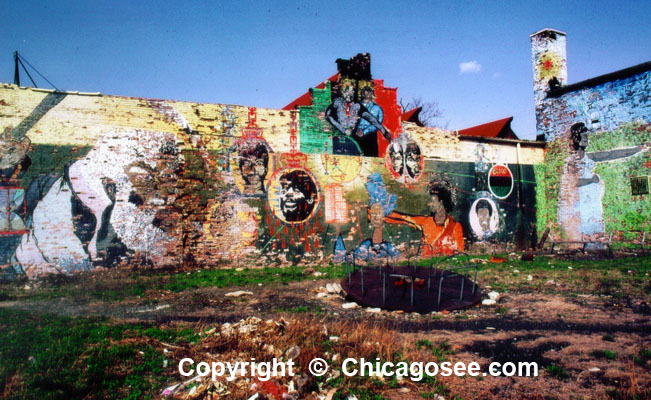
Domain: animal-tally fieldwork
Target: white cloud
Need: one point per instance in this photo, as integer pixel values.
(470, 67)
(497, 75)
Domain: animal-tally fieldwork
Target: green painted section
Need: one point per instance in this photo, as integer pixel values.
(50, 159)
(628, 135)
(548, 178)
(315, 131)
(623, 211)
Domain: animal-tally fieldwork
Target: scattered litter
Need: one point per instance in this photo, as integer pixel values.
(293, 352)
(493, 295)
(488, 302)
(529, 277)
(238, 293)
(348, 306)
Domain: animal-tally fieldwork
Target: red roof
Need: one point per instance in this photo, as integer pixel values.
(306, 98)
(496, 129)
(412, 115)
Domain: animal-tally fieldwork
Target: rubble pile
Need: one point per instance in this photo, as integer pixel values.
(256, 339)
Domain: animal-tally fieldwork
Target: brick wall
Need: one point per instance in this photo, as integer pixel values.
(96, 181)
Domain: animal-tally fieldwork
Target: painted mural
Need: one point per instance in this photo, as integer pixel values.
(93, 181)
(598, 148)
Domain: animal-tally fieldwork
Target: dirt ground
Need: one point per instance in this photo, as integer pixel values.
(570, 335)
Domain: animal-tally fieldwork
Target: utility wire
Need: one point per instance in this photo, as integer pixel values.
(21, 59)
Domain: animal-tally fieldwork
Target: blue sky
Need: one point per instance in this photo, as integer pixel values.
(265, 54)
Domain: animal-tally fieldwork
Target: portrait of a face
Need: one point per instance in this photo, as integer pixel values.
(404, 159)
(298, 194)
(367, 94)
(347, 91)
(440, 203)
(579, 136)
(253, 161)
(484, 218)
(484, 213)
(377, 216)
(12, 151)
(396, 157)
(413, 160)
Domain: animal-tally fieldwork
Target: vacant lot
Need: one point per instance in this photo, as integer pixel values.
(122, 333)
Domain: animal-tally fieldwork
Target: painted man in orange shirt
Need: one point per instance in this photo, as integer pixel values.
(439, 229)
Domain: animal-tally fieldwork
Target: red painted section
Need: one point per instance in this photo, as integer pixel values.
(387, 98)
(499, 170)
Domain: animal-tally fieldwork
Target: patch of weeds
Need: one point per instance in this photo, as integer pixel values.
(6, 296)
(501, 310)
(167, 335)
(608, 338)
(300, 309)
(642, 357)
(607, 354)
(440, 350)
(360, 393)
(60, 357)
(607, 285)
(557, 371)
(247, 276)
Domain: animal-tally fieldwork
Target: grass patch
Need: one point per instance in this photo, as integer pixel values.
(440, 350)
(600, 354)
(557, 371)
(51, 357)
(120, 285)
(248, 276)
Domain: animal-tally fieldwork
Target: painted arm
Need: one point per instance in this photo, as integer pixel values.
(397, 218)
(371, 118)
(331, 118)
(458, 236)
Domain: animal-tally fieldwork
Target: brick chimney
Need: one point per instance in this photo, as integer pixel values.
(548, 56)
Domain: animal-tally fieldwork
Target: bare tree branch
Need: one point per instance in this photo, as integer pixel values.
(430, 111)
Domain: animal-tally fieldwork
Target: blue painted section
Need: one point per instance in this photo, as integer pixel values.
(590, 205)
(605, 107)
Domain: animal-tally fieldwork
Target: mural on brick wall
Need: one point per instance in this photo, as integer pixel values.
(102, 181)
(441, 234)
(599, 132)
